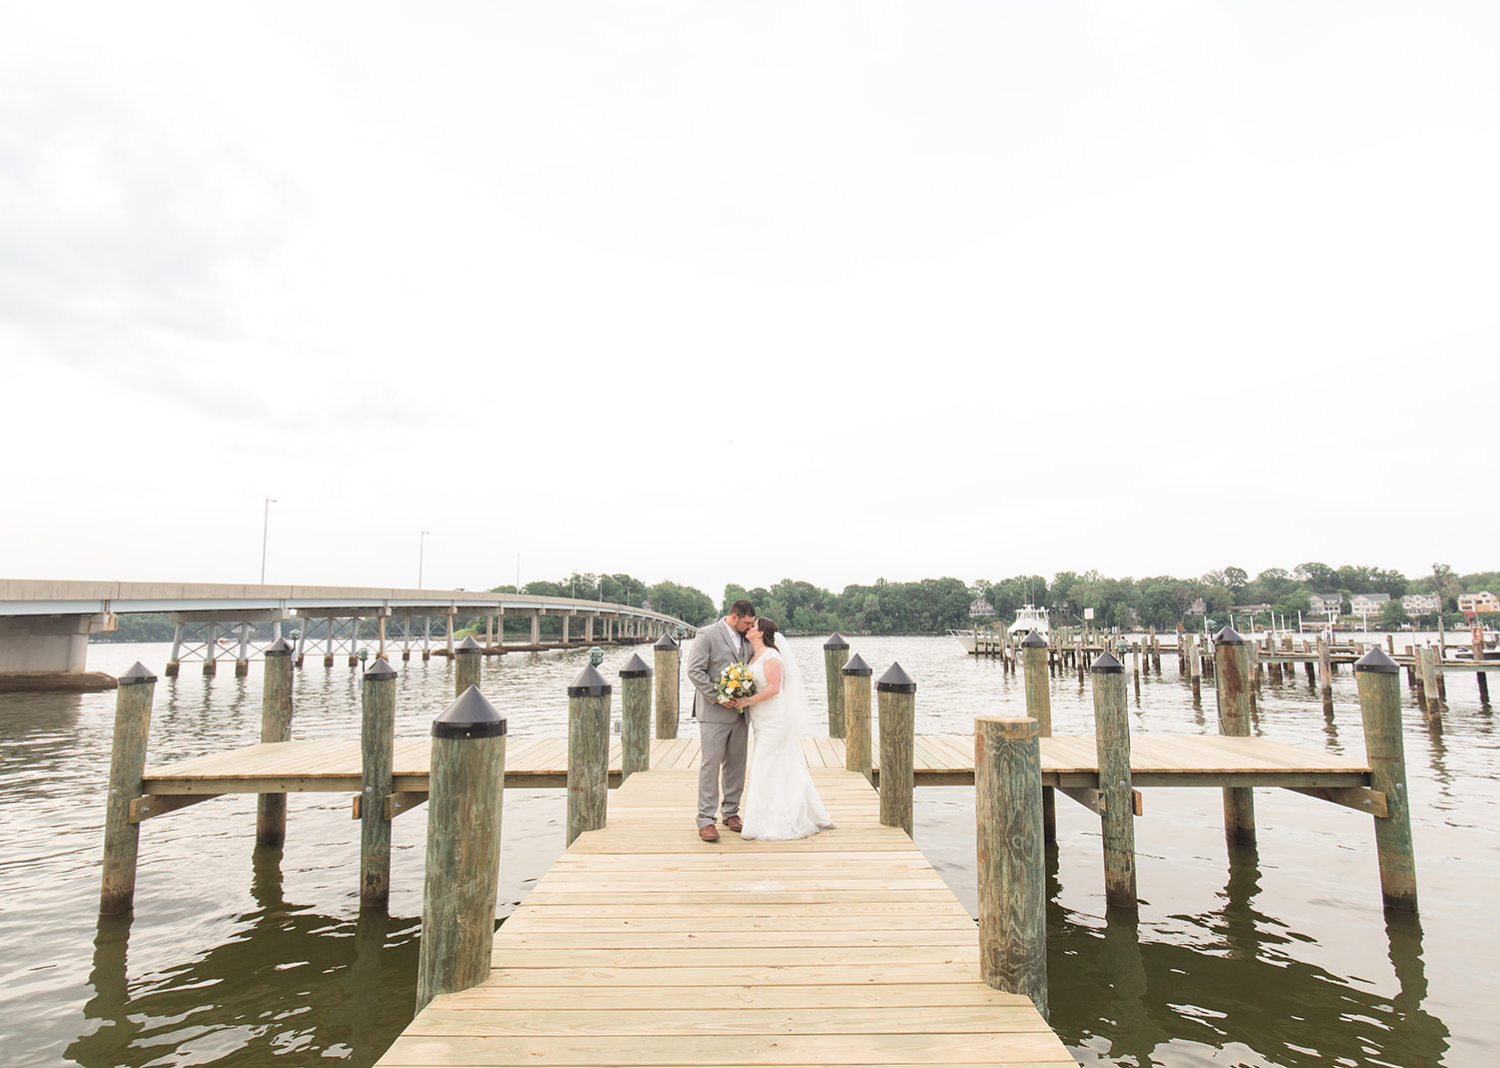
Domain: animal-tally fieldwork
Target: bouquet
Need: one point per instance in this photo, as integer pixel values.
(735, 681)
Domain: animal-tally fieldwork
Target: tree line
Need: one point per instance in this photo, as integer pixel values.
(933, 606)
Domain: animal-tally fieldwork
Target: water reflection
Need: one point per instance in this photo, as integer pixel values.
(1233, 980)
(291, 982)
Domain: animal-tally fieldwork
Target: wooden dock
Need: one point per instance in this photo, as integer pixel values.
(333, 766)
(645, 946)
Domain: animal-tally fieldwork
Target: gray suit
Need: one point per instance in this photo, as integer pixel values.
(724, 733)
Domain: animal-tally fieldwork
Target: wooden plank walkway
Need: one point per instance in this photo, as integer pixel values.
(645, 946)
(1156, 760)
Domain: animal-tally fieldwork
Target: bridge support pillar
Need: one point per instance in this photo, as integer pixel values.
(39, 653)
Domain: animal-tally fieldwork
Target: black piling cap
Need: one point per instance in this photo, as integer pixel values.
(470, 716)
(635, 668)
(280, 647)
(895, 681)
(1033, 641)
(835, 641)
(1230, 636)
(856, 666)
(469, 645)
(138, 674)
(380, 671)
(666, 643)
(1104, 664)
(589, 683)
(1376, 660)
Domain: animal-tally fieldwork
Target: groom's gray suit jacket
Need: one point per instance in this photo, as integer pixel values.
(713, 651)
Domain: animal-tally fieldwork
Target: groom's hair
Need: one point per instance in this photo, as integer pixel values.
(742, 608)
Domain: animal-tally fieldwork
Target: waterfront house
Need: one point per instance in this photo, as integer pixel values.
(980, 607)
(1368, 604)
(1422, 604)
(1483, 601)
(1324, 604)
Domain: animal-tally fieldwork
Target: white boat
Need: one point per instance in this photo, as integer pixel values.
(1029, 618)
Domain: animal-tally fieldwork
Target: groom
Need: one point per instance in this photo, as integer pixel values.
(722, 731)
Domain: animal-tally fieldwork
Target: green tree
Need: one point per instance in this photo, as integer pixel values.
(1393, 614)
(1236, 579)
(1317, 577)
(1158, 606)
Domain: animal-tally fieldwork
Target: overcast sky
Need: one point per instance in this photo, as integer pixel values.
(737, 292)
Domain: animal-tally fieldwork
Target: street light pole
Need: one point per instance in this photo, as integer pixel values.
(265, 531)
(421, 552)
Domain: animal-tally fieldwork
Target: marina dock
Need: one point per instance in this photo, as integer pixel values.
(645, 946)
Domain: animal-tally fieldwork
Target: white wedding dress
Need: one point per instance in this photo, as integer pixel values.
(780, 799)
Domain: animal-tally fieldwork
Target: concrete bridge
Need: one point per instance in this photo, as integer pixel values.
(45, 625)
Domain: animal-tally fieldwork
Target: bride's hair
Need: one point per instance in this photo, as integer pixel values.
(768, 631)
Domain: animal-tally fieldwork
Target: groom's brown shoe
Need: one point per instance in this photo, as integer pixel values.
(708, 832)
(735, 824)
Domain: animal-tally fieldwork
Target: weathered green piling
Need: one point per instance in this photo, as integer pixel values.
(1378, 678)
(1232, 676)
(835, 656)
(462, 875)
(127, 766)
(275, 726)
(1112, 744)
(1008, 839)
(588, 753)
(377, 757)
(898, 742)
(635, 717)
(668, 682)
(857, 755)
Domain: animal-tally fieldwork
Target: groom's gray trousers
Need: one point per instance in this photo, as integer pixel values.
(723, 746)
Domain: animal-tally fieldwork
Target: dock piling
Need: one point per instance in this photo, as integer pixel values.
(462, 875)
(377, 755)
(588, 753)
(1008, 840)
(127, 764)
(275, 726)
(1325, 674)
(1233, 677)
(468, 656)
(1112, 742)
(668, 686)
(835, 656)
(898, 742)
(857, 755)
(1378, 679)
(635, 717)
(1034, 654)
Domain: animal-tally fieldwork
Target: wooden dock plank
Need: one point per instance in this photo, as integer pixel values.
(646, 946)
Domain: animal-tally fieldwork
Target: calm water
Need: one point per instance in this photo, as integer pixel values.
(239, 957)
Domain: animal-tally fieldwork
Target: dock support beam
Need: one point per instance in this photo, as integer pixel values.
(275, 726)
(635, 717)
(668, 686)
(1008, 837)
(1112, 742)
(1233, 678)
(835, 656)
(857, 756)
(588, 752)
(898, 742)
(127, 766)
(462, 876)
(1379, 682)
(377, 753)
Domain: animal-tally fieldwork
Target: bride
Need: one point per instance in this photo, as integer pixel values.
(783, 803)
